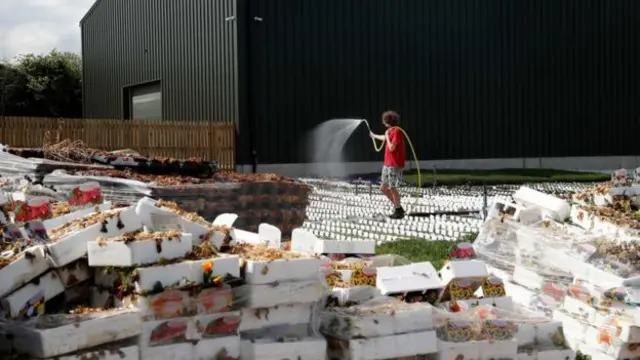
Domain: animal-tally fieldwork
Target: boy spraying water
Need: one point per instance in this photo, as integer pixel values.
(394, 158)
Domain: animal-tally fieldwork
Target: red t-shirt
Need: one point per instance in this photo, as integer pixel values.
(397, 157)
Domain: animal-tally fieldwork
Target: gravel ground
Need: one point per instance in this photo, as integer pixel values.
(357, 211)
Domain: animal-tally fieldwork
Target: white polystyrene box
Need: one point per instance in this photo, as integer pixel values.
(467, 274)
(48, 286)
(502, 303)
(260, 272)
(527, 278)
(270, 295)
(179, 351)
(146, 208)
(55, 335)
(267, 234)
(270, 349)
(458, 350)
(140, 252)
(50, 224)
(390, 317)
(190, 271)
(109, 352)
(74, 273)
(30, 264)
(498, 206)
(464, 269)
(407, 278)
(218, 348)
(394, 346)
(304, 241)
(295, 314)
(556, 208)
(73, 246)
(505, 349)
(356, 294)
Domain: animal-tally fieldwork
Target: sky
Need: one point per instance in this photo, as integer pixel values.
(39, 26)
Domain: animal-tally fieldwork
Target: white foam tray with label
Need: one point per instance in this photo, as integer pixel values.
(49, 285)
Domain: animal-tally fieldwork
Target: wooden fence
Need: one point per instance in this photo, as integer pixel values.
(177, 139)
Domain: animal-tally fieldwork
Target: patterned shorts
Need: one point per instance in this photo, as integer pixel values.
(391, 177)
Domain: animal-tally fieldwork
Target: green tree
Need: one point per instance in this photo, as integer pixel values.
(53, 82)
(15, 98)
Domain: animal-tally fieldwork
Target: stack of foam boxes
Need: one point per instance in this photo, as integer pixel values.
(186, 314)
(278, 304)
(58, 269)
(54, 275)
(463, 279)
(377, 328)
(279, 318)
(360, 322)
(542, 340)
(538, 282)
(601, 322)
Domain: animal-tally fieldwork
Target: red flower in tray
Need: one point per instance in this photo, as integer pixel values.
(37, 209)
(463, 251)
(85, 194)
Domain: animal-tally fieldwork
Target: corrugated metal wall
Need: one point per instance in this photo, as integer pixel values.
(187, 45)
(470, 78)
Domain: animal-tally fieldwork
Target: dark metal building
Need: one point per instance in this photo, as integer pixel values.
(470, 78)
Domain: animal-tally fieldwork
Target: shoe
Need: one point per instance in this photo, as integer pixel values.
(397, 214)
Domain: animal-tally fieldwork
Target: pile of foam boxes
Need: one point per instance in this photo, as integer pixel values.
(151, 291)
(149, 281)
(550, 267)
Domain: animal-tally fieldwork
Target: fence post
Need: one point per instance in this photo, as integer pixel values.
(213, 143)
(485, 202)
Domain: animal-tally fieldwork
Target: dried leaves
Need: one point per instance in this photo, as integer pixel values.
(264, 253)
(58, 232)
(620, 212)
(171, 180)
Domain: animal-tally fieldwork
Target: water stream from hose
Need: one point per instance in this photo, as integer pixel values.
(325, 147)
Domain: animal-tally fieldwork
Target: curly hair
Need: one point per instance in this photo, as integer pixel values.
(390, 118)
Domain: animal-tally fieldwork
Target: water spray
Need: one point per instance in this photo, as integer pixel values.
(413, 151)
